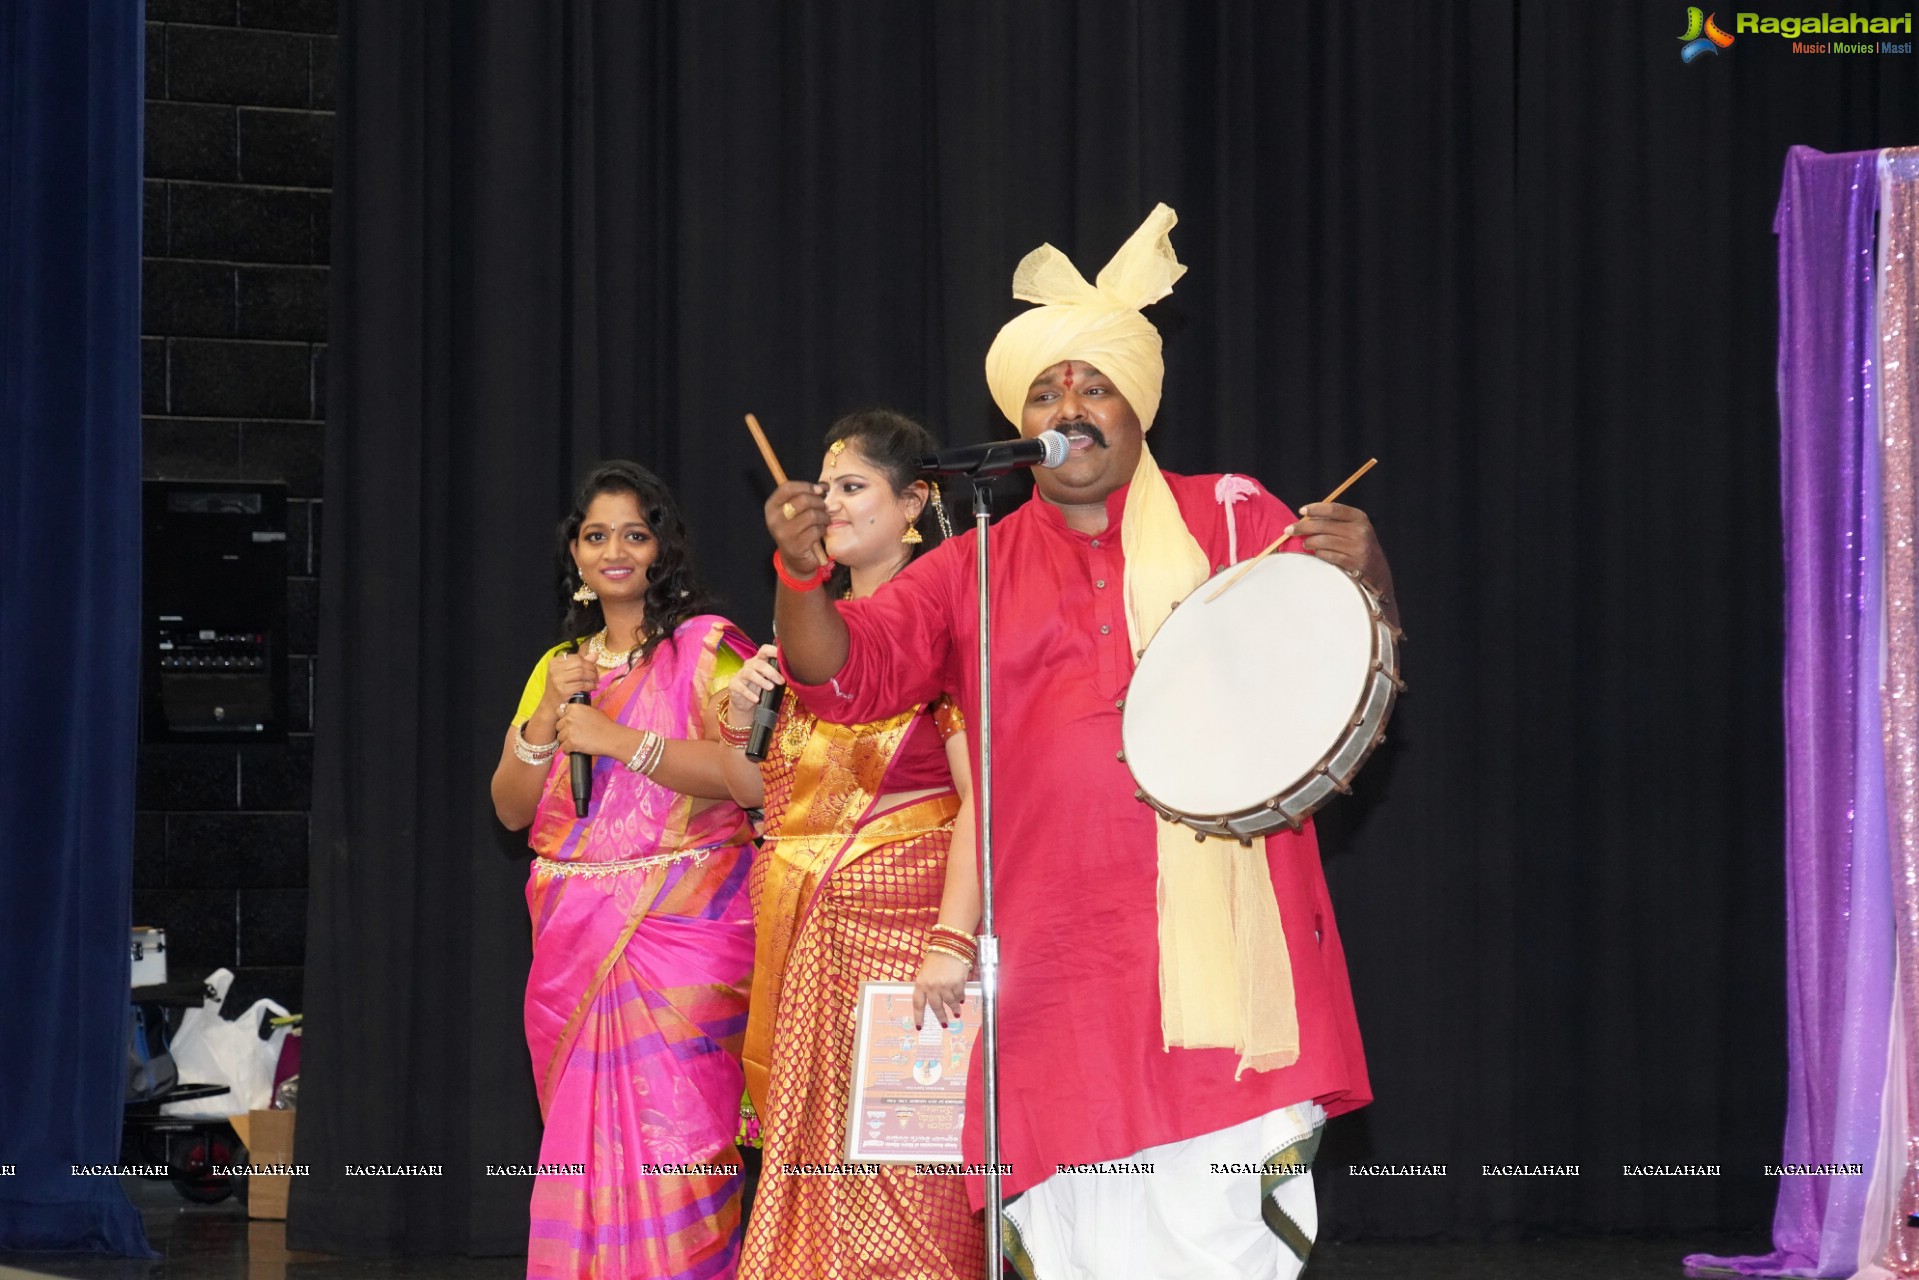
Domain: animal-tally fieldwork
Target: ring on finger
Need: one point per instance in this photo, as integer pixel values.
(786, 509)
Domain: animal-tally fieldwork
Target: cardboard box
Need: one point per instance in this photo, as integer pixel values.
(268, 1137)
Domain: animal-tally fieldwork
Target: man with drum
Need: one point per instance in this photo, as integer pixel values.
(1176, 1022)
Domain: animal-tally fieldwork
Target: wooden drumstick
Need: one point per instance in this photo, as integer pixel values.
(1273, 546)
(766, 450)
(779, 473)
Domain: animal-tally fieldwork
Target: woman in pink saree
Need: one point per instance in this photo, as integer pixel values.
(642, 931)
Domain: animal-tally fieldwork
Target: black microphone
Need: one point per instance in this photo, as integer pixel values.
(1047, 449)
(765, 714)
(582, 769)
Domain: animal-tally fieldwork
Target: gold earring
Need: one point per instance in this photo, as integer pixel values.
(912, 537)
(939, 512)
(585, 594)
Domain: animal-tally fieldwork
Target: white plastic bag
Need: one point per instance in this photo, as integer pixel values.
(209, 1049)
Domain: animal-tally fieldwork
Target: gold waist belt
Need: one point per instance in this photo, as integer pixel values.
(884, 837)
(594, 870)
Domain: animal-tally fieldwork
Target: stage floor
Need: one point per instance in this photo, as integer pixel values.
(217, 1242)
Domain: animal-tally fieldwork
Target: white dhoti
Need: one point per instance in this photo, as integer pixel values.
(1236, 1204)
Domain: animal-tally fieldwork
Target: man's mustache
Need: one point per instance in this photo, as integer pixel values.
(1086, 429)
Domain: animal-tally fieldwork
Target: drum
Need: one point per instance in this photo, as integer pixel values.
(1249, 712)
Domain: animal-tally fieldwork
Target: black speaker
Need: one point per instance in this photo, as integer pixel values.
(215, 617)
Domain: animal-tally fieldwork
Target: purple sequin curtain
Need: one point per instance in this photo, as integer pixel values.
(1839, 957)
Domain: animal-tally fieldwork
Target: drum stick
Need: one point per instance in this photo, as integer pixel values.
(1273, 546)
(766, 450)
(779, 472)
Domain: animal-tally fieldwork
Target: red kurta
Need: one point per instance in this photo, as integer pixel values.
(1083, 1076)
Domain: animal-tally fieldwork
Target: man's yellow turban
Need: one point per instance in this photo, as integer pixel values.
(1098, 323)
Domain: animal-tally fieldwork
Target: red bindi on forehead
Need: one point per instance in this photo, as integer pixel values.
(1066, 377)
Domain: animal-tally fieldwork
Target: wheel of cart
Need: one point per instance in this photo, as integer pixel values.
(190, 1147)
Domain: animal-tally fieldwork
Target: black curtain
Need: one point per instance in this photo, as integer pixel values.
(70, 110)
(1520, 253)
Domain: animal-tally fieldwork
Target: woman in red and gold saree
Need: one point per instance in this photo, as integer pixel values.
(642, 929)
(853, 876)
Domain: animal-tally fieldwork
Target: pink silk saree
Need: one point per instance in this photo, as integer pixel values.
(636, 1003)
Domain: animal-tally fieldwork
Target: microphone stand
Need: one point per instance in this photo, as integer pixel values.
(988, 941)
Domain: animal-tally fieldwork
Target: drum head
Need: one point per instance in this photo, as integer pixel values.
(1237, 700)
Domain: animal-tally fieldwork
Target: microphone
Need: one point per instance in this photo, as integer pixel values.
(582, 769)
(1047, 449)
(765, 714)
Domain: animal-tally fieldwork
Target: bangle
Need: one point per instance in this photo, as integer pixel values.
(532, 752)
(969, 961)
(947, 942)
(733, 737)
(721, 703)
(647, 756)
(800, 584)
(945, 937)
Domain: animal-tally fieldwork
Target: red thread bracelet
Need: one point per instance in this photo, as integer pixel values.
(800, 584)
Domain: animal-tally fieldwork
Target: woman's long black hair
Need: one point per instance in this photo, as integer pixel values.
(894, 443)
(673, 589)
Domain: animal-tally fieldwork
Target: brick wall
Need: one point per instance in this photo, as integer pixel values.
(239, 170)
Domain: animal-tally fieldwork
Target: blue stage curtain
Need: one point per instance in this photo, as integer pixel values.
(71, 85)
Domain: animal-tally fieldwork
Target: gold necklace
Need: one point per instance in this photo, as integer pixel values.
(607, 659)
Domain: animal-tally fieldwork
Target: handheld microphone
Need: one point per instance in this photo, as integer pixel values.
(1047, 449)
(765, 714)
(582, 769)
